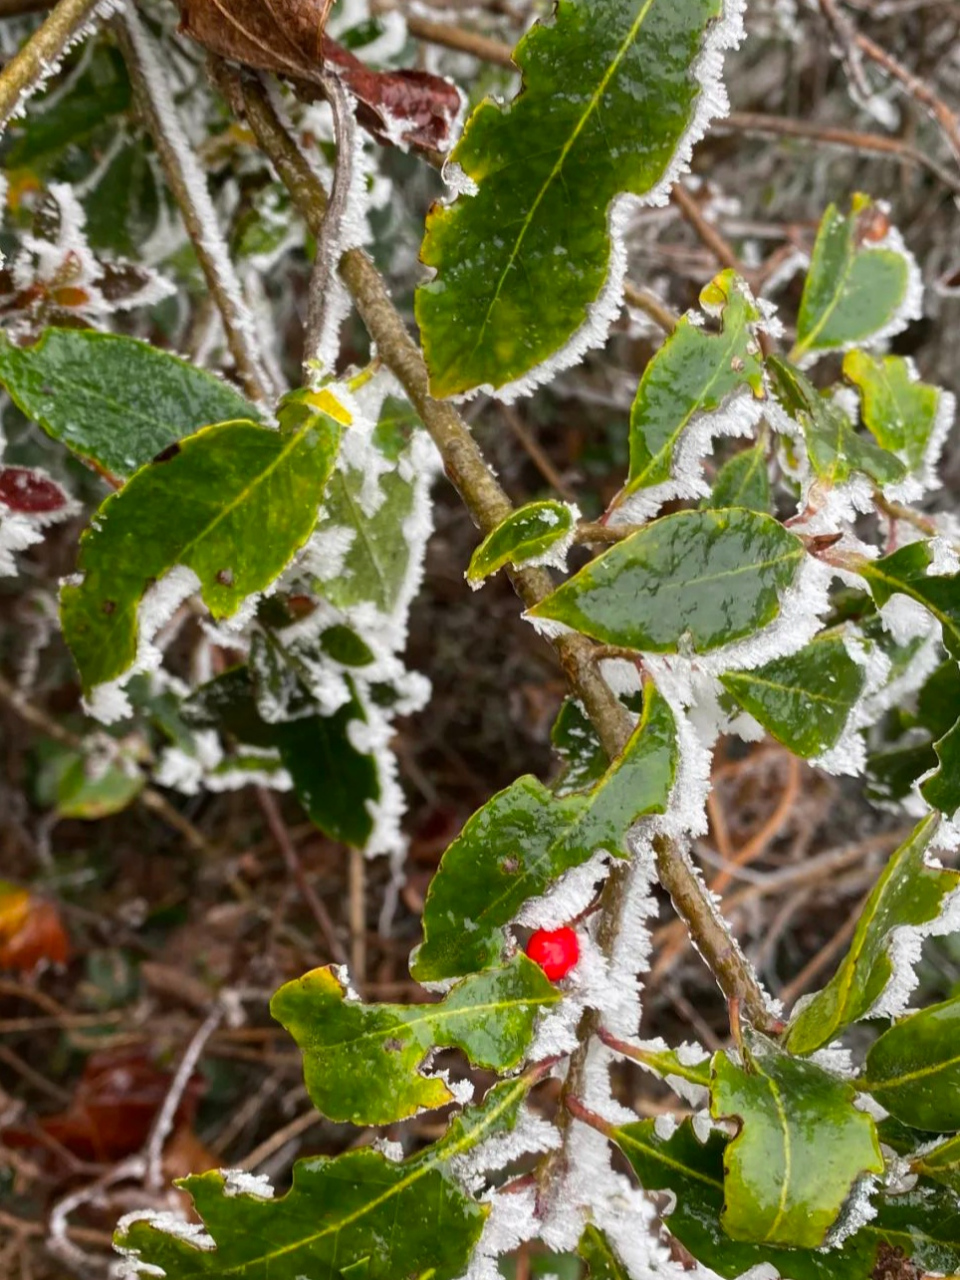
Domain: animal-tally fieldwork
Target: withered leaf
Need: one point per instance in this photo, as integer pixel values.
(409, 107)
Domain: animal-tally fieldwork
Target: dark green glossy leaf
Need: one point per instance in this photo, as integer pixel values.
(233, 504)
(857, 285)
(597, 1252)
(801, 1146)
(575, 740)
(913, 1070)
(941, 1163)
(693, 373)
(942, 790)
(907, 893)
(356, 1214)
(112, 399)
(693, 1171)
(743, 481)
(609, 90)
(803, 700)
(123, 208)
(362, 1062)
(906, 572)
(513, 848)
(893, 772)
(898, 410)
(924, 1224)
(698, 578)
(834, 448)
(526, 535)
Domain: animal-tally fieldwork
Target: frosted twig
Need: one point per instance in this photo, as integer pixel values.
(163, 1123)
(189, 186)
(320, 305)
(58, 1241)
(31, 65)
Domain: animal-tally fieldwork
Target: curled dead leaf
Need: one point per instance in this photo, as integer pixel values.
(31, 931)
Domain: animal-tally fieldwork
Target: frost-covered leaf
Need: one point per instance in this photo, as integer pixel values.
(803, 700)
(902, 413)
(695, 372)
(924, 1224)
(535, 533)
(334, 781)
(358, 1213)
(743, 481)
(362, 1062)
(232, 504)
(513, 848)
(941, 1163)
(599, 1255)
(942, 790)
(834, 448)
(906, 572)
(30, 501)
(908, 894)
(610, 93)
(693, 1171)
(862, 283)
(801, 1145)
(698, 578)
(575, 740)
(913, 1070)
(112, 399)
(76, 785)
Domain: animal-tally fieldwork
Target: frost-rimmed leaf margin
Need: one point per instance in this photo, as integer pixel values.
(724, 32)
(538, 533)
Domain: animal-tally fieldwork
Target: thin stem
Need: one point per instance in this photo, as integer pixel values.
(30, 66)
(648, 1058)
(188, 183)
(650, 305)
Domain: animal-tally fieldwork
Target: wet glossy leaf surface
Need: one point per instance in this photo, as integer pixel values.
(942, 790)
(112, 399)
(913, 1070)
(906, 572)
(855, 285)
(526, 535)
(575, 741)
(233, 504)
(802, 700)
(800, 1148)
(695, 372)
(743, 481)
(898, 410)
(361, 1062)
(907, 893)
(599, 1255)
(609, 89)
(834, 448)
(520, 841)
(698, 578)
(941, 1163)
(342, 1213)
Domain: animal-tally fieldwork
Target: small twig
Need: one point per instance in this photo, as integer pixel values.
(816, 963)
(358, 917)
(321, 306)
(534, 452)
(948, 120)
(592, 531)
(451, 37)
(188, 183)
(30, 66)
(163, 1123)
(279, 1138)
(278, 829)
(846, 37)
(650, 305)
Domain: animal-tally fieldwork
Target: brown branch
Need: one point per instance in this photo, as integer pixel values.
(489, 504)
(30, 66)
(918, 89)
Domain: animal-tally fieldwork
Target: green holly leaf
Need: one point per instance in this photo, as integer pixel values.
(575, 741)
(906, 573)
(694, 373)
(598, 1254)
(699, 579)
(860, 284)
(513, 848)
(834, 448)
(908, 894)
(941, 1163)
(693, 1171)
(902, 413)
(924, 1224)
(913, 1070)
(801, 1147)
(113, 400)
(233, 504)
(536, 533)
(519, 263)
(356, 1214)
(362, 1062)
(78, 787)
(942, 790)
(742, 481)
(805, 699)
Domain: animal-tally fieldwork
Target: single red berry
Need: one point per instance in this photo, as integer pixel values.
(556, 951)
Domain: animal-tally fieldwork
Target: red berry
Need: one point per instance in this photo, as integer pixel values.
(556, 951)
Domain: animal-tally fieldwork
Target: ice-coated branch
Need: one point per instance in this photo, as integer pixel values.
(469, 472)
(189, 186)
(31, 65)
